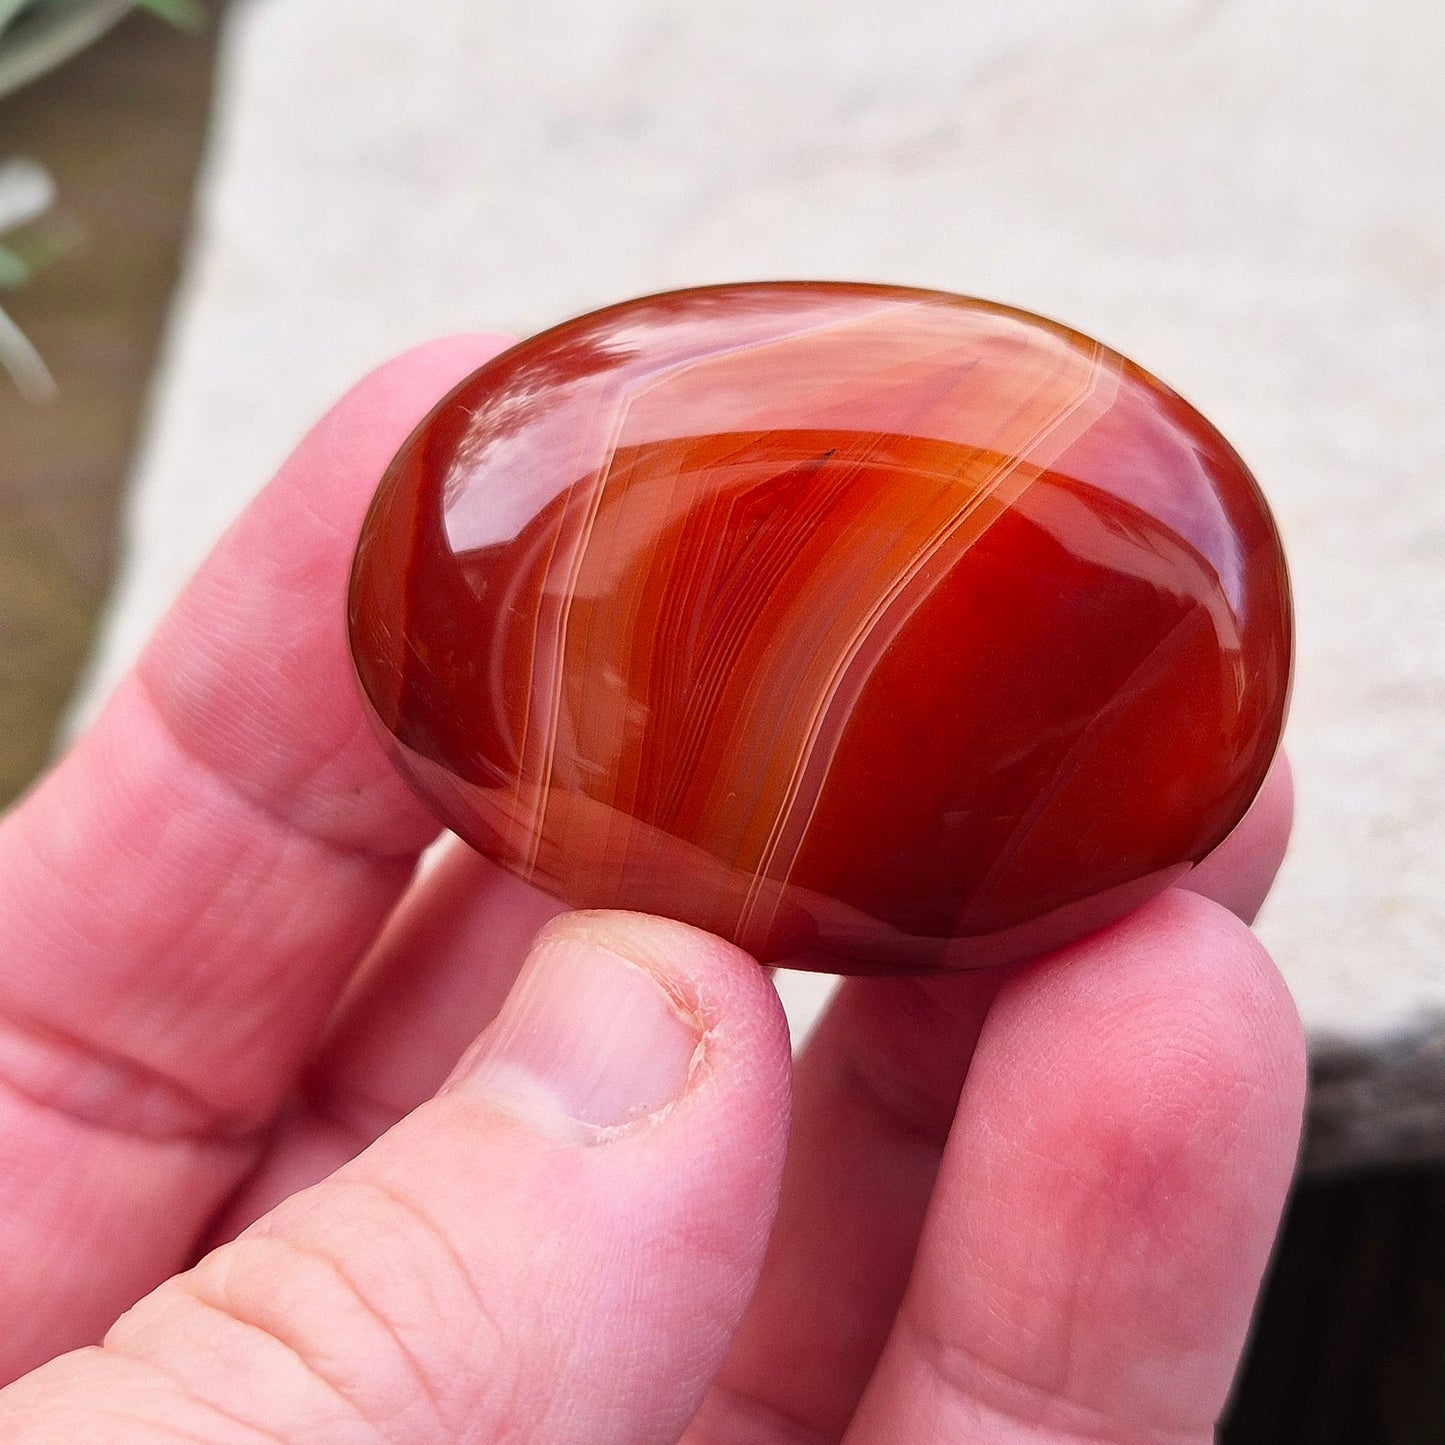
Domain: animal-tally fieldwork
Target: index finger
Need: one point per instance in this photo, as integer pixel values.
(184, 896)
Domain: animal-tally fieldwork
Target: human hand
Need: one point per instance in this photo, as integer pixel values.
(221, 1002)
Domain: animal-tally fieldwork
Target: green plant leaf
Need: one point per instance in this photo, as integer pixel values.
(184, 14)
(22, 361)
(13, 269)
(9, 9)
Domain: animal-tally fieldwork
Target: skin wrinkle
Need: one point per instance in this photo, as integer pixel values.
(731, 1417)
(192, 1115)
(63, 1218)
(248, 885)
(260, 1331)
(338, 530)
(921, 1033)
(141, 855)
(485, 1317)
(147, 1365)
(420, 1379)
(245, 882)
(282, 727)
(63, 932)
(1184, 1128)
(162, 1109)
(340, 789)
(977, 1386)
(261, 801)
(156, 1432)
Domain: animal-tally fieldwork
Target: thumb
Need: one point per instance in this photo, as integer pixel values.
(556, 1248)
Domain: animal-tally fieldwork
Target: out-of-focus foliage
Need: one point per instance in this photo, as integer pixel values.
(186, 13)
(26, 192)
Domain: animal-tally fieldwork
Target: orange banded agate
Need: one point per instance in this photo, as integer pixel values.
(874, 629)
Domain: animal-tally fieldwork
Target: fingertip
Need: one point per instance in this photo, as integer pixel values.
(1182, 975)
(1216, 964)
(1241, 870)
(439, 358)
(718, 980)
(444, 360)
(1226, 960)
(623, 1025)
(340, 460)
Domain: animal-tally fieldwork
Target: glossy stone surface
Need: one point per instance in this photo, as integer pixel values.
(875, 629)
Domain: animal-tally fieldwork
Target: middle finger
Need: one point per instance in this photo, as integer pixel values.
(874, 1095)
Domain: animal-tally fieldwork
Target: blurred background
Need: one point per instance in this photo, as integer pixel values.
(213, 217)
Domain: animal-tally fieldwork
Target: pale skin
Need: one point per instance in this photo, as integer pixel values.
(1024, 1209)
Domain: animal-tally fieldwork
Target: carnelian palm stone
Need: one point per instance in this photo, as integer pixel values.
(876, 629)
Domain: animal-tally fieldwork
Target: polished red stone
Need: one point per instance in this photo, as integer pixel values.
(875, 629)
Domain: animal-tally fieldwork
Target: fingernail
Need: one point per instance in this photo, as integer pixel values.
(585, 1035)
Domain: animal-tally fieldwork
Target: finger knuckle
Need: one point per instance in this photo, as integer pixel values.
(364, 1295)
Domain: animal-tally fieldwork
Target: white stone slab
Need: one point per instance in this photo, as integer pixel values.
(1245, 197)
